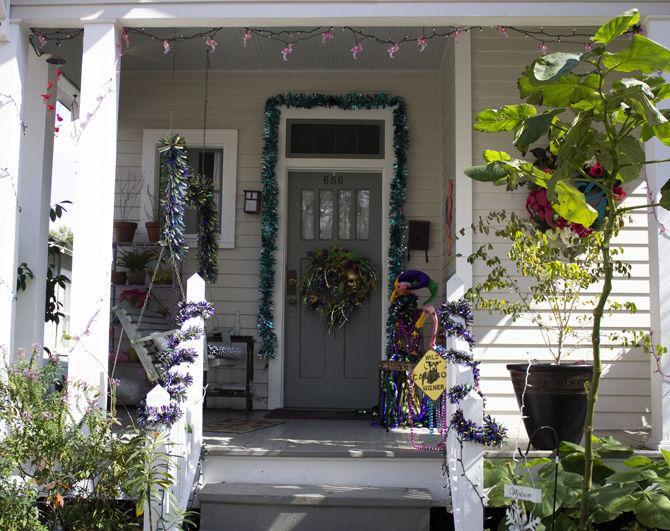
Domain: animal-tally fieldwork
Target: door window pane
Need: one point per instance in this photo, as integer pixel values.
(307, 215)
(363, 215)
(325, 214)
(344, 215)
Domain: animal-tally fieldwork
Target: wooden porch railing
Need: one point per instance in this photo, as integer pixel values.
(464, 459)
(184, 438)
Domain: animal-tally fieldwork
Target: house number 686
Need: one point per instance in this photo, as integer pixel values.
(333, 179)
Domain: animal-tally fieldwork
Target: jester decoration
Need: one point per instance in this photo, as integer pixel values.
(406, 346)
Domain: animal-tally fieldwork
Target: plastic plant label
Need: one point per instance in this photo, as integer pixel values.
(519, 492)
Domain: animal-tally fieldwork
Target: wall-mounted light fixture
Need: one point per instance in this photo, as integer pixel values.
(252, 202)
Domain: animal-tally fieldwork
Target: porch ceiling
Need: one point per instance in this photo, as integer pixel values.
(146, 53)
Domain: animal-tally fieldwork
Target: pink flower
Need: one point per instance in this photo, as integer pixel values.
(287, 51)
(619, 193)
(422, 43)
(357, 50)
(393, 50)
(246, 37)
(326, 36)
(539, 208)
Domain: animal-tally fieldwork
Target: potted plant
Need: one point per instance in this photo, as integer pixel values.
(127, 190)
(118, 278)
(153, 212)
(599, 108)
(558, 265)
(136, 262)
(163, 277)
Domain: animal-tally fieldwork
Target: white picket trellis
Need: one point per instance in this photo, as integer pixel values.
(184, 438)
(465, 460)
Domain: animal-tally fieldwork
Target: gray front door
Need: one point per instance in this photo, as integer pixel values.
(338, 371)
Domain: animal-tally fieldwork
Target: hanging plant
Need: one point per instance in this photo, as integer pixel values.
(174, 177)
(336, 284)
(202, 198)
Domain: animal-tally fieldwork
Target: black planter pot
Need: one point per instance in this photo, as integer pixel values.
(556, 397)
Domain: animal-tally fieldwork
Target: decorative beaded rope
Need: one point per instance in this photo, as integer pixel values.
(441, 445)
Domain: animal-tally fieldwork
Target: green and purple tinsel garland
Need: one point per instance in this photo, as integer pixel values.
(270, 213)
(202, 198)
(174, 187)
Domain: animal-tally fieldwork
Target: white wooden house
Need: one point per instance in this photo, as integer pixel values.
(127, 95)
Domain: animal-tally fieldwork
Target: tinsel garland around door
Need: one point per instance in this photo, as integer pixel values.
(270, 213)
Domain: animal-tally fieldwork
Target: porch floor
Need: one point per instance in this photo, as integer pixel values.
(351, 438)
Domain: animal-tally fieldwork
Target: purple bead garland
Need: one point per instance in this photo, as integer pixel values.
(490, 432)
(175, 382)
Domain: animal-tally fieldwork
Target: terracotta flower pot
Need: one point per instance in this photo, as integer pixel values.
(118, 277)
(153, 230)
(555, 396)
(136, 277)
(124, 231)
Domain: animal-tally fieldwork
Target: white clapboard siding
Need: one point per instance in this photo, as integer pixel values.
(624, 396)
(236, 101)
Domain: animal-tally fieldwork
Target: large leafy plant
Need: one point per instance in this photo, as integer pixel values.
(633, 496)
(545, 282)
(599, 105)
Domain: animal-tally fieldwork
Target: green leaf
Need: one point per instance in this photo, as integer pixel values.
(638, 461)
(613, 499)
(561, 92)
(662, 132)
(665, 453)
(571, 204)
(653, 510)
(533, 128)
(616, 27)
(568, 447)
(491, 155)
(554, 65)
(491, 172)
(506, 118)
(642, 54)
(636, 474)
(630, 154)
(665, 203)
(609, 445)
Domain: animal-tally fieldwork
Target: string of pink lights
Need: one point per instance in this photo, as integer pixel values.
(291, 40)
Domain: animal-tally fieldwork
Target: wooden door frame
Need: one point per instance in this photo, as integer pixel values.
(384, 167)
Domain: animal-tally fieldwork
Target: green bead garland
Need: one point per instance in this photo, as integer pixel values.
(269, 215)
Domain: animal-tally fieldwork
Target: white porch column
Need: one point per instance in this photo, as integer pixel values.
(34, 198)
(659, 262)
(13, 55)
(463, 158)
(92, 253)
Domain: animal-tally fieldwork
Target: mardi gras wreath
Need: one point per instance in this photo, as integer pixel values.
(336, 284)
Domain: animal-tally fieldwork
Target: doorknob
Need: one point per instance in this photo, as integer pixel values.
(291, 283)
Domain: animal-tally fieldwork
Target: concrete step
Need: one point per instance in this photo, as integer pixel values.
(272, 507)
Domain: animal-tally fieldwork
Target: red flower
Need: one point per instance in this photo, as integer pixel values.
(619, 193)
(539, 208)
(580, 230)
(56, 129)
(46, 97)
(50, 107)
(58, 72)
(596, 170)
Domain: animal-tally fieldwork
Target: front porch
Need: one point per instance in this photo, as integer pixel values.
(131, 95)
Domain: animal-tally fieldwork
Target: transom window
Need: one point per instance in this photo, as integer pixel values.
(335, 138)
